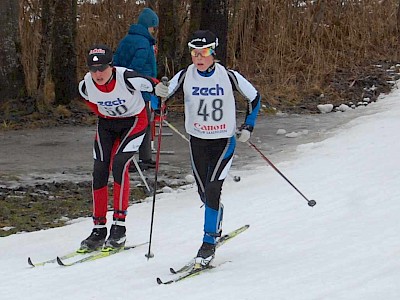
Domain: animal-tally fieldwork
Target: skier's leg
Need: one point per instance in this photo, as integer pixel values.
(131, 136)
(221, 159)
(102, 150)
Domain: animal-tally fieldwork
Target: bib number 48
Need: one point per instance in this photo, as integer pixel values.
(212, 110)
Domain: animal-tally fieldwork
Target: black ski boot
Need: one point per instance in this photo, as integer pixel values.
(95, 240)
(116, 238)
(204, 256)
(147, 164)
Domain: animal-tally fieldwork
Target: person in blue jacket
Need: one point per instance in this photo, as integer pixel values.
(136, 51)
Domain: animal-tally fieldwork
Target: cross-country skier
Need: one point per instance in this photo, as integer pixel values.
(114, 94)
(210, 121)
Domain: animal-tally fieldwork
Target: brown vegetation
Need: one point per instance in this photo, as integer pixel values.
(292, 50)
(294, 53)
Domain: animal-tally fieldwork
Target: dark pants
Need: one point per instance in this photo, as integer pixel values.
(145, 151)
(211, 161)
(116, 142)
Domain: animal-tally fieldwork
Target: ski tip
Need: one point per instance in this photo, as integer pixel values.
(172, 270)
(159, 281)
(30, 262)
(59, 261)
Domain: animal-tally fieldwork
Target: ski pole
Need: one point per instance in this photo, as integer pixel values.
(310, 202)
(141, 174)
(149, 254)
(235, 178)
(176, 130)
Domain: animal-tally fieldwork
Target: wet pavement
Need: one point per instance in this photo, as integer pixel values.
(65, 153)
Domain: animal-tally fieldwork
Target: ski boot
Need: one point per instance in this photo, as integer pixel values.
(204, 257)
(147, 164)
(94, 241)
(116, 238)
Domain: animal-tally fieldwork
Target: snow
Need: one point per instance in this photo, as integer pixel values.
(343, 107)
(296, 134)
(281, 131)
(325, 108)
(345, 247)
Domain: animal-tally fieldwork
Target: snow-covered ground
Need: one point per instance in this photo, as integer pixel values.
(346, 247)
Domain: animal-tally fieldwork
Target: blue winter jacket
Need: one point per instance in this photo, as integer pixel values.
(136, 51)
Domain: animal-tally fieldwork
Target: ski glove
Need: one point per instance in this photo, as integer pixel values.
(244, 132)
(161, 90)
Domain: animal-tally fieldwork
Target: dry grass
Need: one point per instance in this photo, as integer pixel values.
(295, 51)
(289, 50)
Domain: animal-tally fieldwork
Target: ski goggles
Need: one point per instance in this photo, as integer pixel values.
(205, 52)
(99, 68)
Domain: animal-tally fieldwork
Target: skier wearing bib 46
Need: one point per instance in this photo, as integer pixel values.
(210, 121)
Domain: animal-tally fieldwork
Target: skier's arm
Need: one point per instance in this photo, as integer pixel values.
(135, 81)
(176, 83)
(92, 106)
(244, 87)
(172, 86)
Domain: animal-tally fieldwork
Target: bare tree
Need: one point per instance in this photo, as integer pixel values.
(45, 50)
(194, 24)
(167, 37)
(172, 35)
(12, 80)
(152, 4)
(214, 16)
(57, 61)
(211, 15)
(64, 62)
(398, 29)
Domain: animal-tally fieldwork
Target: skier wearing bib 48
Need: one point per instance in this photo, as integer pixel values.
(114, 94)
(210, 121)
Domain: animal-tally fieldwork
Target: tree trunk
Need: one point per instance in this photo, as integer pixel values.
(45, 50)
(214, 17)
(167, 38)
(12, 82)
(194, 24)
(398, 30)
(172, 38)
(152, 4)
(64, 62)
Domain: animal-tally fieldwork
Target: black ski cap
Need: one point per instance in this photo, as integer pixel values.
(99, 54)
(203, 39)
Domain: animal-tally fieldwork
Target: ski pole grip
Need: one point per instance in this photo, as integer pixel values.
(164, 81)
